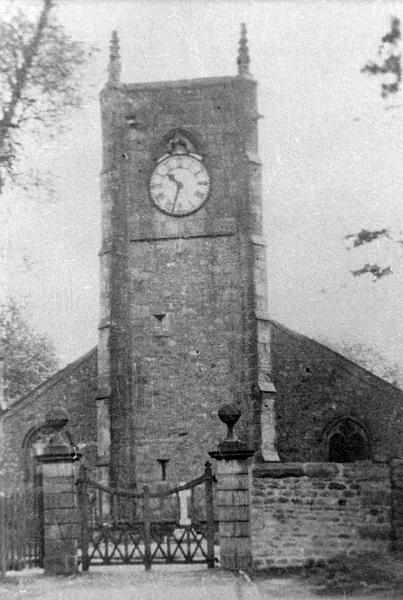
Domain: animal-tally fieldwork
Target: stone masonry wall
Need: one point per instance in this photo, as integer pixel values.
(314, 511)
(191, 297)
(184, 373)
(316, 386)
(72, 389)
(397, 503)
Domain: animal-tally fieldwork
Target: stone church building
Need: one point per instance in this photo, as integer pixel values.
(184, 318)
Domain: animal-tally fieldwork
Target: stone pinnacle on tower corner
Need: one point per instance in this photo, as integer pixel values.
(243, 59)
(114, 66)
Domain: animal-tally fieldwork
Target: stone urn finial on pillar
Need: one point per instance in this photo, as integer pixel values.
(233, 494)
(232, 448)
(229, 415)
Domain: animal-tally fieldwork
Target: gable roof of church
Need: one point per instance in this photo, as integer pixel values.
(53, 379)
(348, 365)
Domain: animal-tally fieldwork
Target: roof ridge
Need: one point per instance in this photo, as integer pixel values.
(53, 379)
(296, 335)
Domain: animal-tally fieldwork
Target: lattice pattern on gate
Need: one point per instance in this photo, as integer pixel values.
(124, 527)
(110, 544)
(184, 544)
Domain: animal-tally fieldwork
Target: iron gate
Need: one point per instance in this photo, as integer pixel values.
(21, 530)
(123, 527)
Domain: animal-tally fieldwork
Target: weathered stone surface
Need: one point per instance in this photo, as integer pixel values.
(234, 529)
(73, 390)
(236, 553)
(321, 469)
(298, 518)
(374, 533)
(233, 513)
(204, 275)
(230, 467)
(397, 504)
(234, 482)
(60, 564)
(60, 516)
(316, 386)
(53, 500)
(278, 470)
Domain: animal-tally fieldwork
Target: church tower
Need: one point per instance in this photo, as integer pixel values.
(183, 272)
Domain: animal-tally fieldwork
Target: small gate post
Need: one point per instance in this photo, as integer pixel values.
(3, 532)
(209, 515)
(38, 507)
(147, 527)
(233, 495)
(60, 508)
(82, 497)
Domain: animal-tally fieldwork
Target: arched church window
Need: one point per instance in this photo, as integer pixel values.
(347, 442)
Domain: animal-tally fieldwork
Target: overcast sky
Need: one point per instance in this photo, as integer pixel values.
(332, 151)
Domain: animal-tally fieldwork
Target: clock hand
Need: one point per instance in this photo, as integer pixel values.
(179, 186)
(178, 189)
(172, 178)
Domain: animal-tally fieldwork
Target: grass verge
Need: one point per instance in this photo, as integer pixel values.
(351, 574)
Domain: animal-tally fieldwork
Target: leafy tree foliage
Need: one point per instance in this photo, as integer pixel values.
(40, 78)
(388, 61)
(29, 358)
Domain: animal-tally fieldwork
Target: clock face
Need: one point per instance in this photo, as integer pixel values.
(179, 184)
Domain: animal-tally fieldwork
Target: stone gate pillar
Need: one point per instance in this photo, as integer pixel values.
(58, 465)
(233, 483)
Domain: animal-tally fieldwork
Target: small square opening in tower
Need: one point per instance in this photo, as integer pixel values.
(163, 462)
(161, 324)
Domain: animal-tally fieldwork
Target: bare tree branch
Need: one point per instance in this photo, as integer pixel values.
(365, 236)
(376, 271)
(40, 78)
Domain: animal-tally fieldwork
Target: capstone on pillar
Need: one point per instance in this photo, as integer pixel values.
(233, 497)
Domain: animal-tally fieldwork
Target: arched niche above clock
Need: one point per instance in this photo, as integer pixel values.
(178, 141)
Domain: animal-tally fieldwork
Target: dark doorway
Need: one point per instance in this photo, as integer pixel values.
(347, 442)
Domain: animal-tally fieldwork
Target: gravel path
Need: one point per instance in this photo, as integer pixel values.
(131, 583)
(167, 583)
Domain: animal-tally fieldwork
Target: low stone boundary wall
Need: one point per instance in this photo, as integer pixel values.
(397, 503)
(302, 512)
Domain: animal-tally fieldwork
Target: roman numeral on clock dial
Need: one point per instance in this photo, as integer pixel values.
(179, 185)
